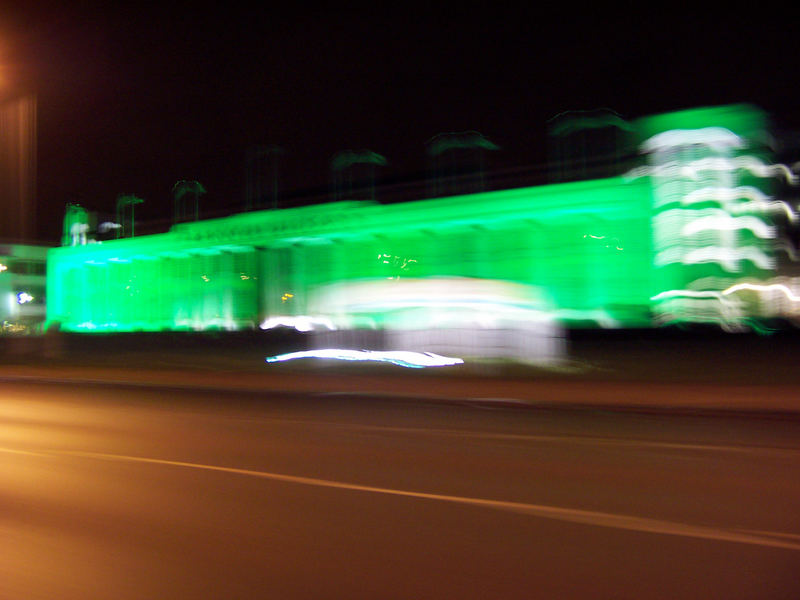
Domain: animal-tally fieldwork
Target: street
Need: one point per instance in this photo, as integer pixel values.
(160, 492)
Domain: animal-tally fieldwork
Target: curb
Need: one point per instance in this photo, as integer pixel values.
(657, 398)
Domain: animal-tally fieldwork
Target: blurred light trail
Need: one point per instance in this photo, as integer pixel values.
(301, 323)
(688, 294)
(753, 164)
(708, 306)
(747, 163)
(414, 360)
(717, 138)
(724, 222)
(762, 289)
(728, 258)
(724, 195)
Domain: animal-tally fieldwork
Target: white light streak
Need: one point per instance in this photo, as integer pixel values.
(762, 289)
(725, 194)
(707, 306)
(746, 163)
(718, 138)
(692, 170)
(728, 258)
(414, 360)
(725, 222)
(688, 294)
(300, 323)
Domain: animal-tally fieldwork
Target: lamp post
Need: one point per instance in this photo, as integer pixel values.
(183, 190)
(124, 200)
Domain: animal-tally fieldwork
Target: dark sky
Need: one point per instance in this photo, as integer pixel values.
(132, 100)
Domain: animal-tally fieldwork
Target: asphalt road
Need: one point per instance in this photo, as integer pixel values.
(109, 492)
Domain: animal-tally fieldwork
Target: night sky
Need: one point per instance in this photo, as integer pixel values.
(133, 100)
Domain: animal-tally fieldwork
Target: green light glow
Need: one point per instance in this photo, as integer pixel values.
(599, 252)
(236, 272)
(712, 213)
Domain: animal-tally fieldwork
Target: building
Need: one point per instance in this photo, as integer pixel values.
(666, 242)
(22, 288)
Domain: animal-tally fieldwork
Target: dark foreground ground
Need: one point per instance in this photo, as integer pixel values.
(698, 355)
(135, 491)
(629, 369)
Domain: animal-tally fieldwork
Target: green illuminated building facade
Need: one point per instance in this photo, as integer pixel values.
(596, 252)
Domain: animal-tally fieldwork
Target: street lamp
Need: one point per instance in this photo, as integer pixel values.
(123, 201)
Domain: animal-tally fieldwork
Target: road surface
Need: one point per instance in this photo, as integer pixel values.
(128, 492)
